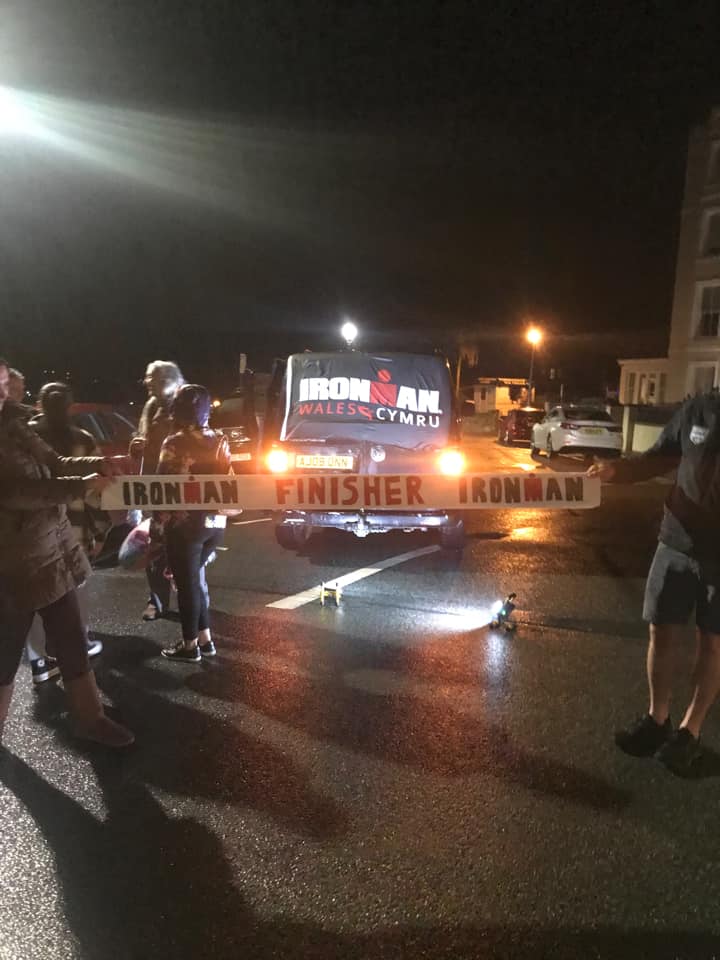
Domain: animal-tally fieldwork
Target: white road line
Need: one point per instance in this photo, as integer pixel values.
(307, 596)
(245, 523)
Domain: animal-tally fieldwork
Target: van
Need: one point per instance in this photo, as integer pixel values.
(350, 412)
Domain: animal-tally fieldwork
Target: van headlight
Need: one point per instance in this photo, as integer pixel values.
(278, 461)
(451, 463)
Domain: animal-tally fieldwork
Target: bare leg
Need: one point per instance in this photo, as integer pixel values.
(35, 640)
(706, 680)
(661, 660)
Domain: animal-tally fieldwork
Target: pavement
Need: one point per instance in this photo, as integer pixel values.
(389, 779)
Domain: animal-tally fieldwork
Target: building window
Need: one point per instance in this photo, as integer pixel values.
(711, 237)
(709, 319)
(701, 377)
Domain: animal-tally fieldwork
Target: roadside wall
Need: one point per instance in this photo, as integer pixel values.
(642, 425)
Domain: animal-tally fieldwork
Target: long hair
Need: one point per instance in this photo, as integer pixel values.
(169, 369)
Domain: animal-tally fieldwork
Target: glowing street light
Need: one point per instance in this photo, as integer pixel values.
(534, 337)
(349, 333)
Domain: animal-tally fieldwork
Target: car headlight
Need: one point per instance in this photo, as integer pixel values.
(278, 461)
(451, 463)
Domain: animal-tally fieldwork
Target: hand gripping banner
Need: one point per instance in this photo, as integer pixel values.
(478, 491)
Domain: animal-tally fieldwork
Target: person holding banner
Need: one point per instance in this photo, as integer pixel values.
(684, 577)
(89, 524)
(191, 536)
(163, 379)
(42, 564)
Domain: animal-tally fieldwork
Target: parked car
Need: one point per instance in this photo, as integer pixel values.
(112, 427)
(235, 418)
(516, 426)
(577, 429)
(359, 413)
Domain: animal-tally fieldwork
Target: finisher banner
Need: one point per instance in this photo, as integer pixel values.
(480, 491)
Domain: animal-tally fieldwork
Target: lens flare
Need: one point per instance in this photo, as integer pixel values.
(451, 463)
(16, 117)
(278, 461)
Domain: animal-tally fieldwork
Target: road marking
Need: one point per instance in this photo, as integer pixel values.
(244, 523)
(307, 596)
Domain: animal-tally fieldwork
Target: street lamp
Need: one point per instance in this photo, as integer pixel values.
(534, 337)
(349, 333)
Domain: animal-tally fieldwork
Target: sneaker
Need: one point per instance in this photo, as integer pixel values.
(94, 647)
(182, 654)
(207, 649)
(44, 669)
(644, 737)
(680, 753)
(151, 612)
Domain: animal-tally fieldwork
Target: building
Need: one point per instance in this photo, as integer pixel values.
(501, 394)
(693, 361)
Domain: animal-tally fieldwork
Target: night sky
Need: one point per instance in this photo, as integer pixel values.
(242, 174)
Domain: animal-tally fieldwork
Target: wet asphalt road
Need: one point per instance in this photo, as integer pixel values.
(388, 779)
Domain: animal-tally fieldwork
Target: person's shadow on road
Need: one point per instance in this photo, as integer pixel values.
(142, 884)
(139, 883)
(193, 753)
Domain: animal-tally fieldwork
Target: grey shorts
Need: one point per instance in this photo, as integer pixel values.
(677, 585)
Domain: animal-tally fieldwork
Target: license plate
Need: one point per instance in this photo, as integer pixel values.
(592, 430)
(240, 456)
(323, 461)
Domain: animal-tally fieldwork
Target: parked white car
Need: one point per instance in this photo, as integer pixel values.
(577, 429)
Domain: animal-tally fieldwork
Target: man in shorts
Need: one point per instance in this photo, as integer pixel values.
(684, 577)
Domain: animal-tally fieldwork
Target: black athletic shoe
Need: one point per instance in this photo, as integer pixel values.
(44, 669)
(680, 753)
(644, 737)
(182, 654)
(207, 649)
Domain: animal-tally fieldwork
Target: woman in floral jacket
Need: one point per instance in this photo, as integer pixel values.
(191, 536)
(41, 564)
